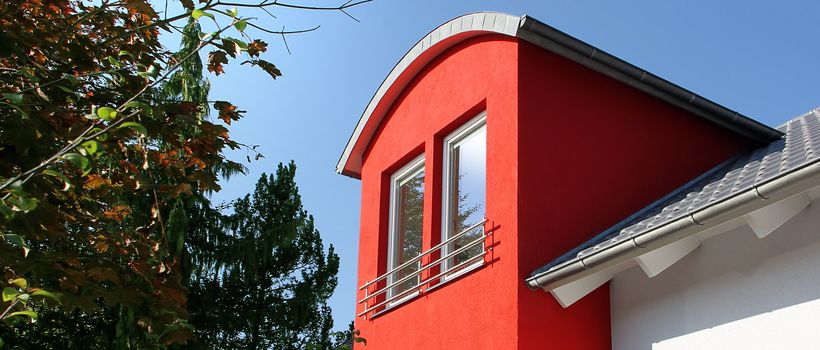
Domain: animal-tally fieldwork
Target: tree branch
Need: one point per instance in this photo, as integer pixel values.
(84, 136)
(300, 7)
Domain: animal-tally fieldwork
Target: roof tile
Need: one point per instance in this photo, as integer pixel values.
(799, 147)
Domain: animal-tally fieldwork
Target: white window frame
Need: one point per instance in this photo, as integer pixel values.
(398, 178)
(450, 142)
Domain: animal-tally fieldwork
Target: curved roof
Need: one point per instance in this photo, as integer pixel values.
(549, 38)
(425, 50)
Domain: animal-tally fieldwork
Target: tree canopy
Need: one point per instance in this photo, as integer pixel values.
(263, 281)
(106, 157)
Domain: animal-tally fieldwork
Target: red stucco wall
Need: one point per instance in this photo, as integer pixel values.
(592, 152)
(570, 152)
(477, 311)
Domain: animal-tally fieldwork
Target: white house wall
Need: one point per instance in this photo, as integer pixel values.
(736, 291)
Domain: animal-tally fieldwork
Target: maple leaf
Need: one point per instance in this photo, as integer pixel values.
(256, 47)
(266, 66)
(117, 212)
(95, 181)
(188, 107)
(215, 61)
(188, 4)
(227, 111)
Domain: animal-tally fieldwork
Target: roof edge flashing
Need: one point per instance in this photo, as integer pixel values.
(558, 42)
(424, 51)
(743, 203)
(551, 39)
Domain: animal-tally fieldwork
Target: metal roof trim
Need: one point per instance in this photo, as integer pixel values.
(425, 50)
(784, 179)
(802, 179)
(533, 31)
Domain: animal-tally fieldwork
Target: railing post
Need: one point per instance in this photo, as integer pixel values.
(366, 297)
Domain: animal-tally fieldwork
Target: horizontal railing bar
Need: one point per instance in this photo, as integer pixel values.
(414, 288)
(428, 266)
(428, 251)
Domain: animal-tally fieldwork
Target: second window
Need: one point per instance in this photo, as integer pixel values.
(464, 187)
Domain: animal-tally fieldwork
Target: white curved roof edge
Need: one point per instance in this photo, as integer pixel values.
(533, 31)
(429, 47)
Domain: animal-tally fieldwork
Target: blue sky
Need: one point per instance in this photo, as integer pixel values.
(757, 57)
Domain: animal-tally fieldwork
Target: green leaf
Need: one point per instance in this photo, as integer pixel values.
(15, 98)
(46, 294)
(115, 62)
(24, 204)
(16, 188)
(152, 71)
(101, 137)
(232, 12)
(140, 129)
(203, 36)
(107, 113)
(10, 293)
(136, 105)
(66, 89)
(59, 175)
(20, 282)
(17, 241)
(6, 210)
(142, 107)
(90, 146)
(16, 108)
(29, 313)
(199, 13)
(14, 239)
(77, 159)
(240, 25)
(243, 45)
(24, 297)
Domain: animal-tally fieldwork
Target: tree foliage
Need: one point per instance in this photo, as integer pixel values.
(264, 278)
(103, 143)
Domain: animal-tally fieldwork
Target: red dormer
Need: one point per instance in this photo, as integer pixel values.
(496, 145)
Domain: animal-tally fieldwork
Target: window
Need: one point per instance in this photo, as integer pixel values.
(464, 186)
(405, 233)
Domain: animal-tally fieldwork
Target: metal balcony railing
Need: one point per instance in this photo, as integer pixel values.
(372, 294)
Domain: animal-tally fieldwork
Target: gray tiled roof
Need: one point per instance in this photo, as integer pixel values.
(799, 147)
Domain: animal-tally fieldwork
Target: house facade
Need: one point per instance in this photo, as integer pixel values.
(501, 157)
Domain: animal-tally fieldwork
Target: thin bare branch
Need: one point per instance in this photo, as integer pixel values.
(349, 15)
(283, 31)
(300, 7)
(268, 12)
(286, 41)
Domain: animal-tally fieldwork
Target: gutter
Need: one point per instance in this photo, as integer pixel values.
(743, 203)
(556, 41)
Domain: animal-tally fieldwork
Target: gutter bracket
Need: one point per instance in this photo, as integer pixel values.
(568, 294)
(658, 260)
(767, 219)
